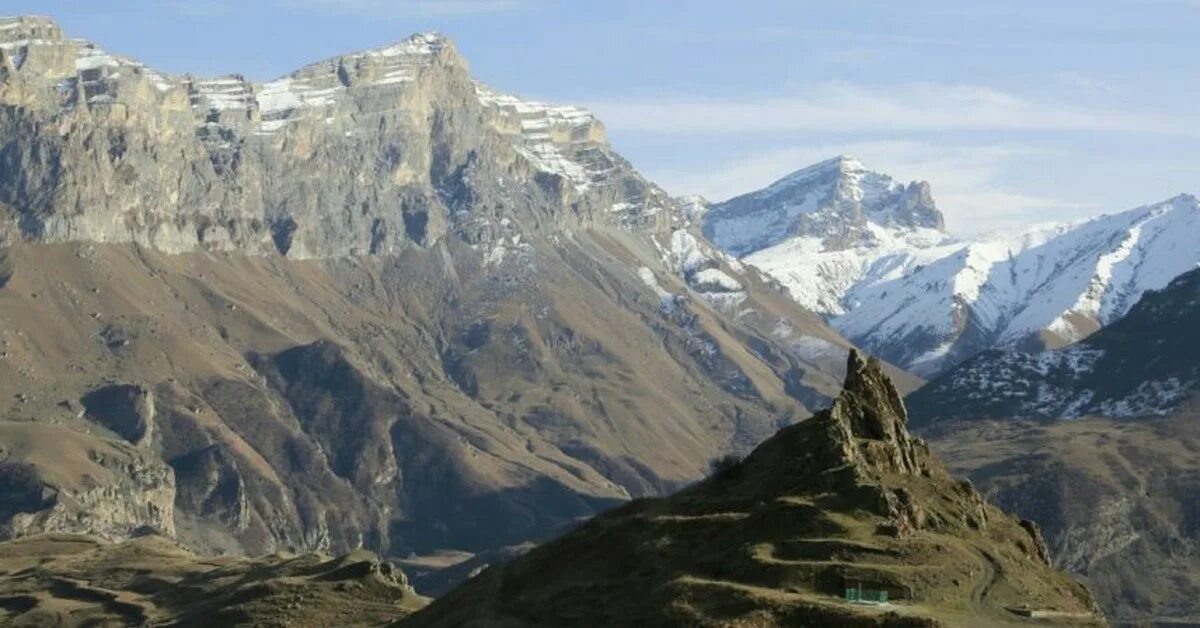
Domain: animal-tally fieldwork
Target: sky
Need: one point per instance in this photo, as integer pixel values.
(1016, 112)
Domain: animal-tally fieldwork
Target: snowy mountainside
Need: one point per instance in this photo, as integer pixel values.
(902, 288)
(1143, 364)
(1048, 287)
(837, 200)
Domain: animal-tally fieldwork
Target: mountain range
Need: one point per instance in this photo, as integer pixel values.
(1143, 364)
(872, 256)
(376, 304)
(373, 303)
(847, 499)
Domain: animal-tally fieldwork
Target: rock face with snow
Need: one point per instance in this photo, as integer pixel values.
(875, 261)
(1141, 365)
(364, 153)
(838, 202)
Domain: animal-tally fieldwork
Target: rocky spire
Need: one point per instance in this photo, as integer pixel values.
(868, 423)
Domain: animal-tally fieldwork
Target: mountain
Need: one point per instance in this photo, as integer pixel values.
(373, 303)
(871, 256)
(1098, 443)
(838, 202)
(1143, 364)
(71, 580)
(847, 499)
(1115, 499)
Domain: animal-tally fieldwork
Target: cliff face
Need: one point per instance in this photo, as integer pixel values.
(54, 479)
(364, 153)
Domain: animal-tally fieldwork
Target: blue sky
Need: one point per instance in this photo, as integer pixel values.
(1015, 111)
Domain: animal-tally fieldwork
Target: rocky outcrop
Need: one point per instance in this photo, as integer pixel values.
(846, 500)
(59, 480)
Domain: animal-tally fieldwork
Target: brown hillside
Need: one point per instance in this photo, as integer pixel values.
(847, 497)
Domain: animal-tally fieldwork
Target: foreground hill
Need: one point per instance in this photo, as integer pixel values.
(871, 255)
(69, 580)
(845, 499)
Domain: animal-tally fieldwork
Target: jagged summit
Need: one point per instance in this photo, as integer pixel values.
(872, 409)
(20, 27)
(361, 153)
(846, 500)
(837, 202)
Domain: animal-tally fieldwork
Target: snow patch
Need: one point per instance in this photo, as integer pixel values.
(667, 300)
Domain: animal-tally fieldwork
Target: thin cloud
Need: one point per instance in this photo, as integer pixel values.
(381, 8)
(1084, 83)
(851, 108)
(400, 8)
(206, 8)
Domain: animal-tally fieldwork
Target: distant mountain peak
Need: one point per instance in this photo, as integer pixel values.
(837, 201)
(24, 24)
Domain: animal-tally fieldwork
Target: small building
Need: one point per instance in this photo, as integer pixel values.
(857, 592)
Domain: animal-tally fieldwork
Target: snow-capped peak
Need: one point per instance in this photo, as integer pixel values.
(870, 254)
(841, 165)
(426, 43)
(837, 201)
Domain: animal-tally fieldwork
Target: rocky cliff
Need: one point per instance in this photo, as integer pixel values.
(364, 153)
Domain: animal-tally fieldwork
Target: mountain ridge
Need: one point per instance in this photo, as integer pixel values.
(412, 102)
(841, 214)
(926, 300)
(1140, 365)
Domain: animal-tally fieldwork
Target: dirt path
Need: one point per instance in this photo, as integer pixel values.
(984, 585)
